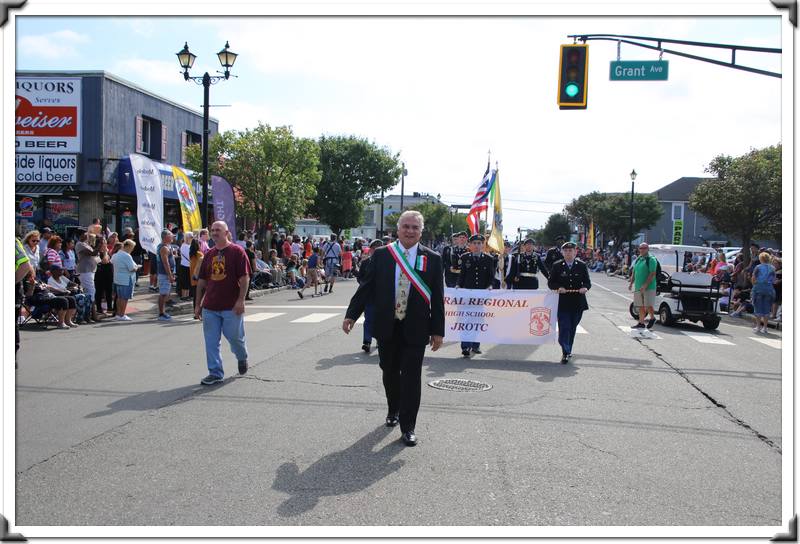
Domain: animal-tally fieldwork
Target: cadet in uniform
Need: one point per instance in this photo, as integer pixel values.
(524, 266)
(477, 272)
(569, 274)
(496, 283)
(553, 254)
(453, 264)
(450, 279)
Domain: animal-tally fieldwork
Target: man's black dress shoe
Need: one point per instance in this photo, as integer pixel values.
(392, 421)
(476, 351)
(366, 347)
(465, 353)
(564, 358)
(409, 438)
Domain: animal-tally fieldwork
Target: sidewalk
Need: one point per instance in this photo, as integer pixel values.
(146, 302)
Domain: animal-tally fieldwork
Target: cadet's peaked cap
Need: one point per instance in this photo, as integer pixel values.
(528, 241)
(568, 245)
(560, 237)
(477, 238)
(462, 233)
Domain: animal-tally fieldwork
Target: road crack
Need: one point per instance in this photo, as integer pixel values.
(711, 399)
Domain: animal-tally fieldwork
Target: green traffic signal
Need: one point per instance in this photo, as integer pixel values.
(572, 90)
(573, 75)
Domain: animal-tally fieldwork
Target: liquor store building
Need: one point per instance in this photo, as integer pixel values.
(75, 132)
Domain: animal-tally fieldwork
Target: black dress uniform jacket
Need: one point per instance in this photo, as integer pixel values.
(553, 255)
(378, 286)
(522, 263)
(477, 271)
(569, 279)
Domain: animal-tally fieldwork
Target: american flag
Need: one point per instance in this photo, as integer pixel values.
(481, 202)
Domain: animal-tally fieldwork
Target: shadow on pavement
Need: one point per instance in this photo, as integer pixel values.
(545, 371)
(153, 400)
(358, 358)
(347, 471)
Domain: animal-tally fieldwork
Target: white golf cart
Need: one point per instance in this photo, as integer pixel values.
(682, 296)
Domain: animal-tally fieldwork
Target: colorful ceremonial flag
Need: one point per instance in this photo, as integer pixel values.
(190, 210)
(590, 243)
(495, 241)
(481, 202)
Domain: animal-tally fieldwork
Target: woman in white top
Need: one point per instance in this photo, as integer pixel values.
(31, 245)
(183, 269)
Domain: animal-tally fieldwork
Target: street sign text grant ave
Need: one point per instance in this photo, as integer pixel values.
(639, 70)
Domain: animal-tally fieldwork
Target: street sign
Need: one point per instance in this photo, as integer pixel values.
(677, 232)
(639, 70)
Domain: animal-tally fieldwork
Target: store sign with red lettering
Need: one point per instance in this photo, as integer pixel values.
(47, 114)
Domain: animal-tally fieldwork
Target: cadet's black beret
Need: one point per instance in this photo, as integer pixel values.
(477, 238)
(568, 245)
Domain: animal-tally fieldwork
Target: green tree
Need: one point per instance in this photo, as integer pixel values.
(584, 210)
(557, 225)
(613, 215)
(745, 199)
(275, 173)
(353, 171)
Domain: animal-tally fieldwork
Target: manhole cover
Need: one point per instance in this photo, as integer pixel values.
(457, 384)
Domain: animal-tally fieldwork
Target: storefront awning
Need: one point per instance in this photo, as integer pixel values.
(43, 189)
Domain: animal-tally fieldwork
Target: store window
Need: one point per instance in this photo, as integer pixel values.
(62, 214)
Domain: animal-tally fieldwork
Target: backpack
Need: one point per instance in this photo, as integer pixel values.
(658, 267)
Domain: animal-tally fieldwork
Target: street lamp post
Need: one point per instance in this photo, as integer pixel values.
(403, 175)
(186, 60)
(630, 239)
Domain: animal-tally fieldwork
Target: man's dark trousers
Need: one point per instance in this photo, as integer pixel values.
(402, 375)
(567, 326)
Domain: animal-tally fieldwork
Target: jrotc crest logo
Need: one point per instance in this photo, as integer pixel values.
(540, 321)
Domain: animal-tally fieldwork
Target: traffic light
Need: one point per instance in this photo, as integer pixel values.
(573, 77)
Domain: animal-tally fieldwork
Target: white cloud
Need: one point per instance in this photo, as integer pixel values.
(149, 72)
(52, 46)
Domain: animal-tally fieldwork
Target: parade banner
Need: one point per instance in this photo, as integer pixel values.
(224, 204)
(190, 210)
(150, 201)
(500, 316)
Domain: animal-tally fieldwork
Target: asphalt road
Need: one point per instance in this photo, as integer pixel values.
(113, 427)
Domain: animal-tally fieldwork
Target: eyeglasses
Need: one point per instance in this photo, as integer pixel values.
(34, 239)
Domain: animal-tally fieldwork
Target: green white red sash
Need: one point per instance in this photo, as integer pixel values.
(405, 267)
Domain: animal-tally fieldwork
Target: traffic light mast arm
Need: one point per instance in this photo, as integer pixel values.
(626, 39)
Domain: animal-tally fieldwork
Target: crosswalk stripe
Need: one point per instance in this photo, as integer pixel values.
(360, 320)
(651, 336)
(581, 330)
(314, 318)
(771, 342)
(707, 338)
(262, 316)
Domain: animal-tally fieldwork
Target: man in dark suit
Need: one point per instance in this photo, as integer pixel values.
(405, 283)
(570, 277)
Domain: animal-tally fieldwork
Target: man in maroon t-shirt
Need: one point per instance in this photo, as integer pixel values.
(221, 287)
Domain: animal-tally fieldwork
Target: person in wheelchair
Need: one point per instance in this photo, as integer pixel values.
(42, 298)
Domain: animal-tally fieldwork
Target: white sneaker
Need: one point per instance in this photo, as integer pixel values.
(123, 318)
(756, 329)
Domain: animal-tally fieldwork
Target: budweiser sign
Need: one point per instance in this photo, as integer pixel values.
(47, 115)
(45, 120)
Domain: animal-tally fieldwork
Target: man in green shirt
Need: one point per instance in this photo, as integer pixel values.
(643, 280)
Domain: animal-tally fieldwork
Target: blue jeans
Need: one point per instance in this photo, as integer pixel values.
(215, 324)
(369, 311)
(567, 325)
